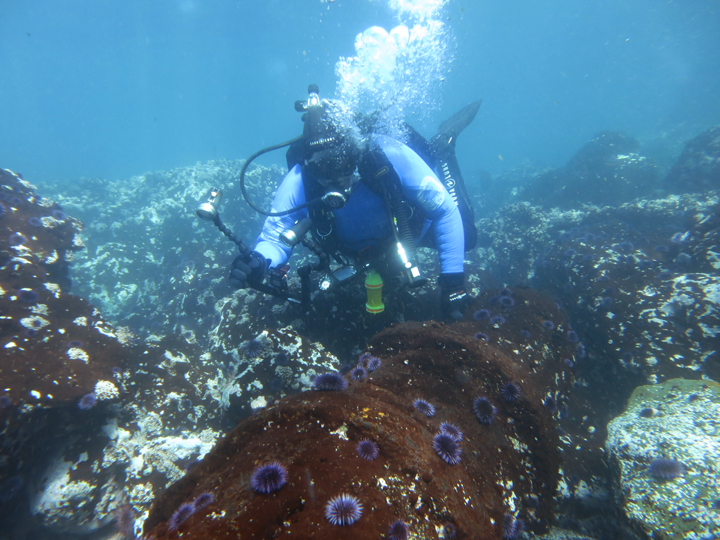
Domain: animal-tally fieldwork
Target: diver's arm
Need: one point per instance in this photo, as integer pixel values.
(289, 195)
(422, 187)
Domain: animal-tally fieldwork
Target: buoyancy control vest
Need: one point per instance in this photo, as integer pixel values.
(379, 175)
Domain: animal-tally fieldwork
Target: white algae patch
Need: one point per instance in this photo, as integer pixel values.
(145, 451)
(684, 426)
(105, 390)
(53, 288)
(81, 505)
(74, 353)
(34, 323)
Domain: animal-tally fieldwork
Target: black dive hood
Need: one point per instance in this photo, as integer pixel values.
(319, 138)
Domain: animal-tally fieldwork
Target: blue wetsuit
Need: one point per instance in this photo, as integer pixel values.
(364, 220)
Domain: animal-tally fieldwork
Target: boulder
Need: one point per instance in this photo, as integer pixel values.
(665, 446)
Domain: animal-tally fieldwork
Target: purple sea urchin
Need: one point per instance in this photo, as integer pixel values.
(482, 335)
(282, 359)
(548, 325)
(183, 512)
(269, 477)
(27, 295)
(497, 320)
(87, 402)
(665, 469)
(450, 429)
(510, 391)
(447, 448)
(16, 239)
(367, 449)
(550, 404)
(331, 381)
(204, 499)
(370, 362)
(512, 527)
(572, 336)
(481, 315)
(507, 301)
(424, 407)
(358, 373)
(253, 348)
(373, 363)
(124, 517)
(399, 531)
(484, 410)
(343, 510)
(525, 334)
(449, 530)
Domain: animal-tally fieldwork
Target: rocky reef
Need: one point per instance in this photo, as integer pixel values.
(606, 171)
(140, 390)
(506, 464)
(698, 168)
(665, 446)
(96, 421)
(150, 263)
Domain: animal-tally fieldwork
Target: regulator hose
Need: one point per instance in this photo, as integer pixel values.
(402, 220)
(242, 179)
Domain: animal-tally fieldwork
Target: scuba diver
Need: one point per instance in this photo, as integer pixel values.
(359, 198)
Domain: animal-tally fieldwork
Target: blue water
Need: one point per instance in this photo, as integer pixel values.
(114, 89)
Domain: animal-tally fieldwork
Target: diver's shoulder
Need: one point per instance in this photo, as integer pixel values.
(388, 143)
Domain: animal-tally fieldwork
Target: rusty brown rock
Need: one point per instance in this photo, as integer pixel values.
(43, 326)
(314, 435)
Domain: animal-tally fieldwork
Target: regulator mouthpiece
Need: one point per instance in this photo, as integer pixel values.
(313, 99)
(208, 210)
(335, 199)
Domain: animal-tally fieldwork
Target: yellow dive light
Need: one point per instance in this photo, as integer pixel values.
(374, 285)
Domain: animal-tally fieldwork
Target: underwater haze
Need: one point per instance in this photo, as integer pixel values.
(114, 89)
(555, 376)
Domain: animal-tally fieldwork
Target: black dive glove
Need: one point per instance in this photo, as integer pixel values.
(453, 297)
(248, 270)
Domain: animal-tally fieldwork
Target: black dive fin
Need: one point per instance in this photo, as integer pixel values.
(453, 126)
(448, 170)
